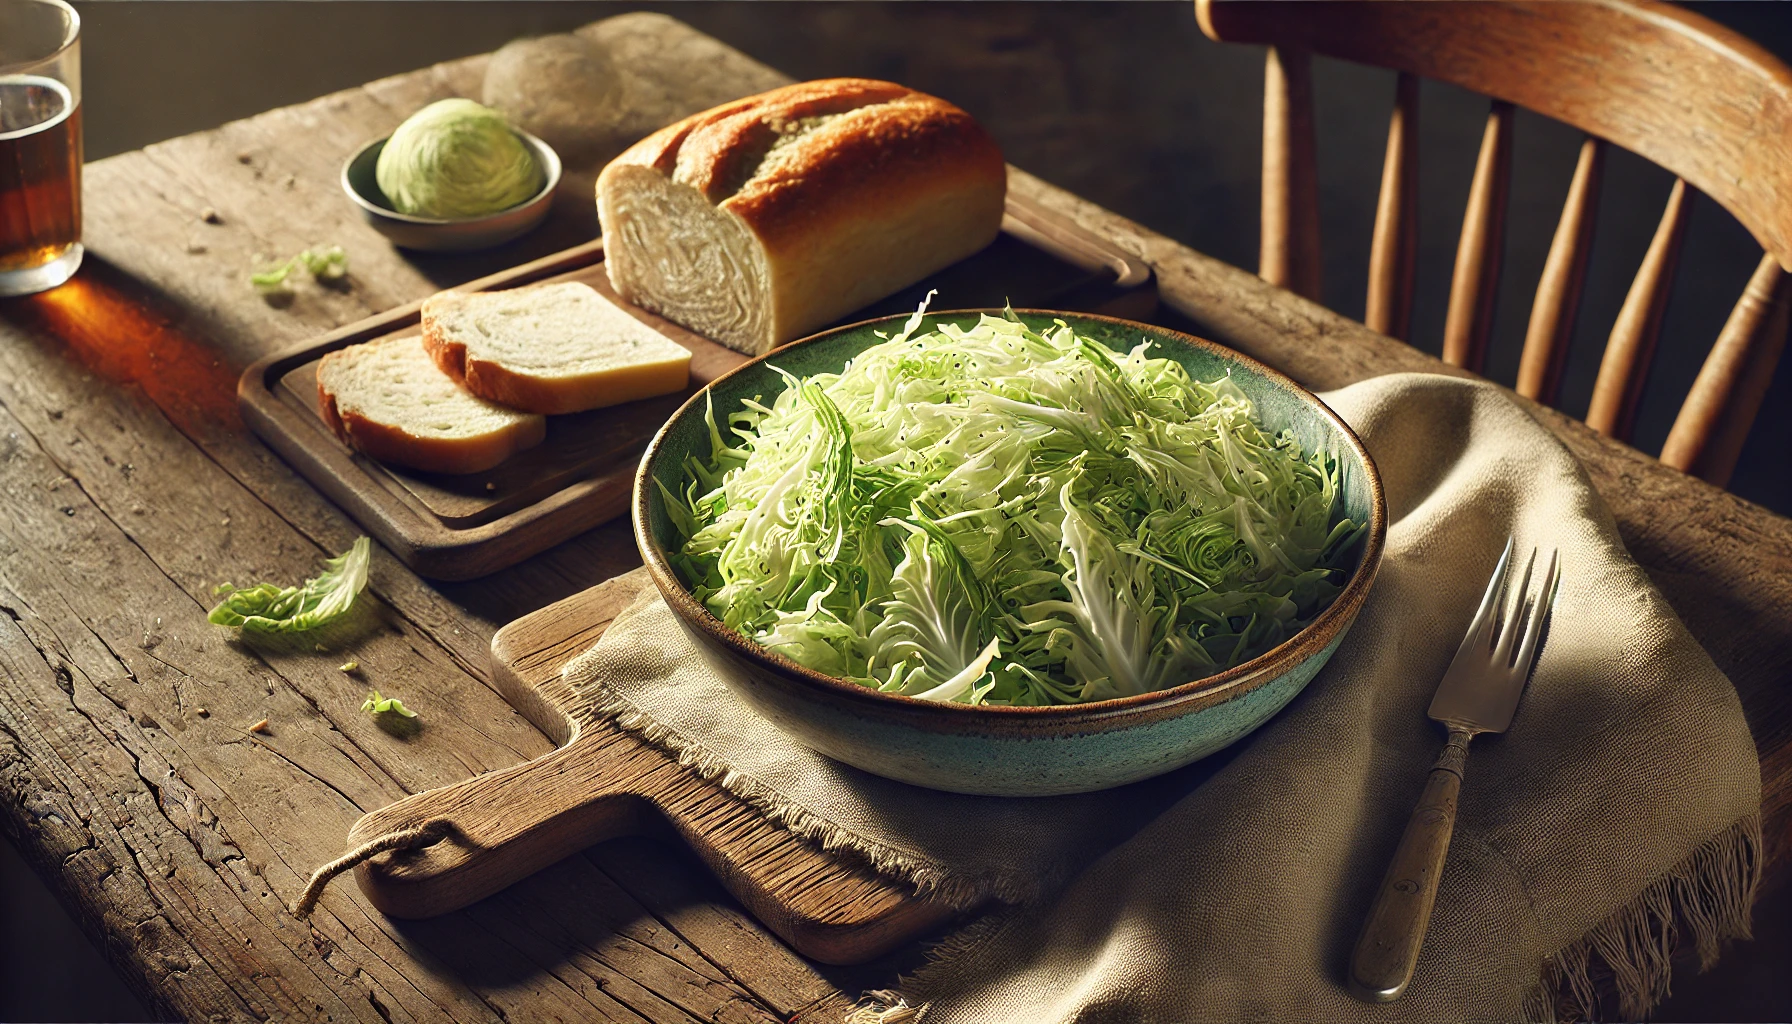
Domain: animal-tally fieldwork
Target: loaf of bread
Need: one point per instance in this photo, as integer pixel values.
(552, 348)
(758, 221)
(387, 398)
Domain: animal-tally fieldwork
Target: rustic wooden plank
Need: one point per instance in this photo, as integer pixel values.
(82, 801)
(170, 523)
(74, 355)
(692, 905)
(605, 782)
(84, 594)
(166, 855)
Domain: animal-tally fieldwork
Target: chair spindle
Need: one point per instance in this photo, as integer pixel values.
(1657, 80)
(1393, 252)
(1624, 368)
(1290, 255)
(1564, 275)
(1475, 284)
(1714, 421)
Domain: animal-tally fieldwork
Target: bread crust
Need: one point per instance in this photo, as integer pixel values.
(896, 185)
(496, 382)
(488, 380)
(911, 143)
(387, 443)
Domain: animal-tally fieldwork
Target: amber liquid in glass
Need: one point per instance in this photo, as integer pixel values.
(40, 171)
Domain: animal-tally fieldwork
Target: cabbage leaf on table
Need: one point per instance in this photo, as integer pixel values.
(268, 609)
(999, 516)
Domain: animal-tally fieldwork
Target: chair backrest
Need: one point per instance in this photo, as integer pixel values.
(1662, 82)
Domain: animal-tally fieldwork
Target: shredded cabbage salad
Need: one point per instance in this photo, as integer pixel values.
(999, 516)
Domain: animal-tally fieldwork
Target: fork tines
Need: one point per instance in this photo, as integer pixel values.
(1496, 656)
(1528, 612)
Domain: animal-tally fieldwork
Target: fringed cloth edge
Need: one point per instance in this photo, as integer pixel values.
(1620, 970)
(927, 877)
(1627, 959)
(891, 1006)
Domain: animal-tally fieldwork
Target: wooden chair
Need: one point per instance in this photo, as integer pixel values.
(1660, 81)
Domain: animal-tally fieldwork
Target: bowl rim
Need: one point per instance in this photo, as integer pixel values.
(552, 169)
(1202, 692)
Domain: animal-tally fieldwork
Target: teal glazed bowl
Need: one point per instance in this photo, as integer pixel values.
(1013, 751)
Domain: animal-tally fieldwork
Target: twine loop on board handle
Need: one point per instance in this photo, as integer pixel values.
(428, 833)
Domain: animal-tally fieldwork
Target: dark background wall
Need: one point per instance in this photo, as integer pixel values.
(1124, 103)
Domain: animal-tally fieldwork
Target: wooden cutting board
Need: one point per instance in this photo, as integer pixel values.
(462, 526)
(603, 783)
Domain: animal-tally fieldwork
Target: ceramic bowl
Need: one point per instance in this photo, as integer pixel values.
(435, 234)
(1012, 751)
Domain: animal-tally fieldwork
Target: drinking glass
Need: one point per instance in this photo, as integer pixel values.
(40, 144)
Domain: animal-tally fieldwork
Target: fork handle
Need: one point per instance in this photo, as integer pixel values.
(1388, 950)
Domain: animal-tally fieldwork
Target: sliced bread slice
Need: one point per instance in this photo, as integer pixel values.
(552, 348)
(387, 398)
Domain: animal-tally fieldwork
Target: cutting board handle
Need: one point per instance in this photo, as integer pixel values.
(606, 782)
(505, 825)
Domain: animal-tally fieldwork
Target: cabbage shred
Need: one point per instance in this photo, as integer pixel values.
(1000, 516)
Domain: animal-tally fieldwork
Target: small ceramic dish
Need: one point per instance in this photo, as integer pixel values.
(1014, 751)
(434, 234)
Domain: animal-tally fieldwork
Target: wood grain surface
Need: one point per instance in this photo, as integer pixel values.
(604, 783)
(1707, 436)
(1394, 247)
(460, 527)
(1564, 277)
(1655, 78)
(1480, 250)
(1289, 251)
(577, 444)
(130, 488)
(1631, 347)
(1660, 80)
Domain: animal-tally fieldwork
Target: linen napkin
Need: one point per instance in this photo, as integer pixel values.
(1616, 820)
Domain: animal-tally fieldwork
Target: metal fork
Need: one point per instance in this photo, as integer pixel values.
(1479, 693)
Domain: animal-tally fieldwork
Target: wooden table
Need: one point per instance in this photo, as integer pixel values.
(129, 489)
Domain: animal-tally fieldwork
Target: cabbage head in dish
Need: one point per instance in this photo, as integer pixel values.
(999, 516)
